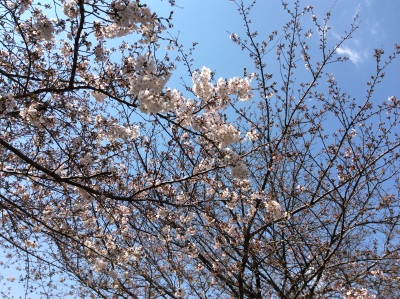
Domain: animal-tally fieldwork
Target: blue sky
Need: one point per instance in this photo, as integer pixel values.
(209, 21)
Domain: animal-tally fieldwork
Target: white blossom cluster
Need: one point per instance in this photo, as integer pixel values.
(240, 87)
(44, 28)
(215, 98)
(253, 135)
(203, 89)
(147, 86)
(223, 91)
(31, 244)
(203, 166)
(150, 103)
(100, 265)
(274, 208)
(162, 213)
(238, 168)
(33, 116)
(239, 171)
(100, 53)
(230, 197)
(215, 128)
(98, 96)
(87, 159)
(129, 17)
(113, 131)
(358, 294)
(21, 7)
(148, 82)
(71, 8)
(66, 49)
(180, 293)
(7, 103)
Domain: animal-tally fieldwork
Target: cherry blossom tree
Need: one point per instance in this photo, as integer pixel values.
(114, 185)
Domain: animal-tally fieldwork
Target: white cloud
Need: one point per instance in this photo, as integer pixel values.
(368, 2)
(376, 30)
(354, 56)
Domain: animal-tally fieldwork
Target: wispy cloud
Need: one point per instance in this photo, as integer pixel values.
(376, 30)
(354, 56)
(368, 2)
